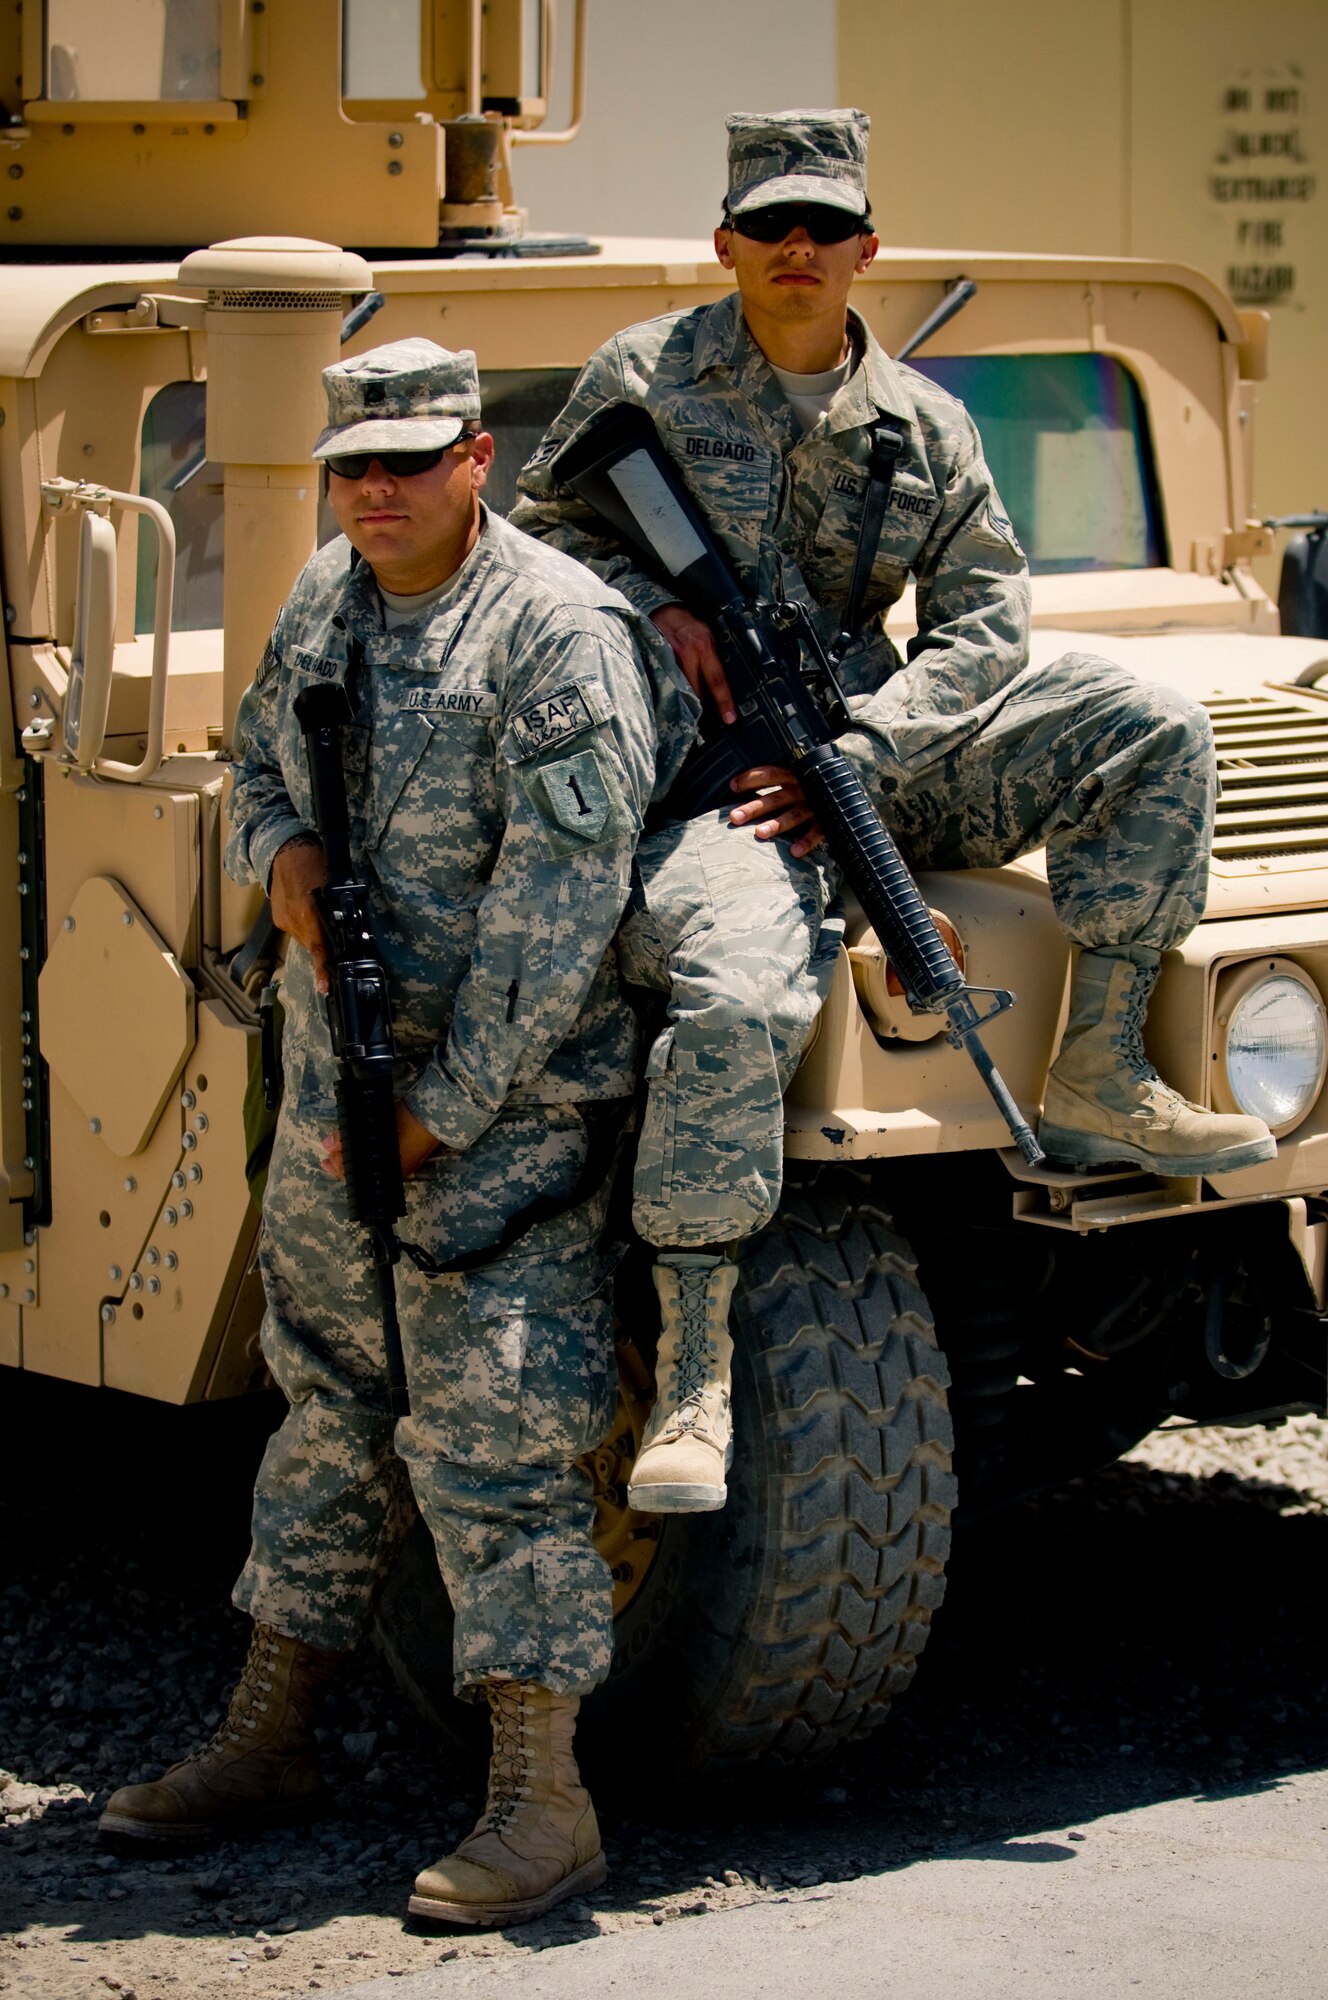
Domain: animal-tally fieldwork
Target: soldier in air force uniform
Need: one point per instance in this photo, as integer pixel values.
(768, 402)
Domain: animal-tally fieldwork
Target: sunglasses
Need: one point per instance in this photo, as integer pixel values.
(401, 464)
(822, 224)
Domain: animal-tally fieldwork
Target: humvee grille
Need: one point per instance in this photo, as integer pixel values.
(1272, 765)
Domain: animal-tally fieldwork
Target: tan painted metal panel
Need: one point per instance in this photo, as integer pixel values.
(167, 1342)
(103, 1211)
(38, 301)
(892, 1099)
(11, 1335)
(117, 1014)
(145, 837)
(198, 177)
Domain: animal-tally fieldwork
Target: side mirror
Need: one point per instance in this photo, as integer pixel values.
(1302, 590)
(88, 697)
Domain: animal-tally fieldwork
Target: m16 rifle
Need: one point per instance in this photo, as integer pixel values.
(790, 709)
(359, 1015)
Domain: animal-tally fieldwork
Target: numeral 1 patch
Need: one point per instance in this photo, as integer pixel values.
(576, 794)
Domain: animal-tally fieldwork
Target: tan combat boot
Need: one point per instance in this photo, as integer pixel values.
(260, 1769)
(537, 1840)
(1105, 1103)
(688, 1443)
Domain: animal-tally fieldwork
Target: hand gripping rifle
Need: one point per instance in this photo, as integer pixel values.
(790, 708)
(360, 1017)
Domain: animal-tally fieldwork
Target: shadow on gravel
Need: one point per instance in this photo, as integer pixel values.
(1129, 1638)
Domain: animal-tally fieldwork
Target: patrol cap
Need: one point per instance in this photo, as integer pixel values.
(818, 156)
(410, 395)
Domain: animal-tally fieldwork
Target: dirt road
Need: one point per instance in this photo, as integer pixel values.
(1149, 1635)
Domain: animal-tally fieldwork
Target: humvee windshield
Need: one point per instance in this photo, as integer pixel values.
(1067, 442)
(1065, 436)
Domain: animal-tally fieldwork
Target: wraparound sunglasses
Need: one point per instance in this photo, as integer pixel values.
(822, 224)
(401, 464)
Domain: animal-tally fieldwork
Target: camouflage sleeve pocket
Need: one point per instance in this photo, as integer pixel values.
(577, 796)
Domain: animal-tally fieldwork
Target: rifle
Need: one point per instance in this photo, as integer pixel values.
(790, 709)
(359, 1014)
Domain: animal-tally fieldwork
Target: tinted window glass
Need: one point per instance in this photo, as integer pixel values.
(155, 50)
(1067, 441)
(519, 405)
(177, 472)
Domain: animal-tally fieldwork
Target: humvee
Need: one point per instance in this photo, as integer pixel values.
(930, 1322)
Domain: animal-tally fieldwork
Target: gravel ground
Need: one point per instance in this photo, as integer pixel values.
(1141, 1635)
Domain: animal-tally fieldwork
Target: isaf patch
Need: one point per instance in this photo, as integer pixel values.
(553, 719)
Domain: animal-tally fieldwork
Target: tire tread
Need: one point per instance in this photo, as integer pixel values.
(862, 1499)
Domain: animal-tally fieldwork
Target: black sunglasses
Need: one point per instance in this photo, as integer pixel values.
(401, 464)
(822, 224)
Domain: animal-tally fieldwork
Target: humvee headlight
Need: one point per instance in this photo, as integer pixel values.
(1272, 1047)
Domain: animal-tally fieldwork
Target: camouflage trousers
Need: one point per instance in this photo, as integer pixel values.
(512, 1377)
(735, 932)
(1116, 777)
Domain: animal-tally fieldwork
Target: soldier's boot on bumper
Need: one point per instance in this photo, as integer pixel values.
(537, 1840)
(688, 1443)
(1105, 1103)
(260, 1769)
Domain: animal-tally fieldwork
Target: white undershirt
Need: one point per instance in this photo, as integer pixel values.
(810, 396)
(398, 610)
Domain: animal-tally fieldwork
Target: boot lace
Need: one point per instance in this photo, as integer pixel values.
(697, 1351)
(1133, 1010)
(508, 1772)
(248, 1704)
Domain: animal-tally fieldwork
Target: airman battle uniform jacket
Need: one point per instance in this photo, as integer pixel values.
(787, 506)
(503, 752)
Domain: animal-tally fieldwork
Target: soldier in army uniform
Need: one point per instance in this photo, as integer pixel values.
(767, 402)
(502, 752)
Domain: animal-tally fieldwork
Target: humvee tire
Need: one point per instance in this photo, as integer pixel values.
(788, 1622)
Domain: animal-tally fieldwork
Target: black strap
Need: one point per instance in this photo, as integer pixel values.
(269, 1021)
(886, 445)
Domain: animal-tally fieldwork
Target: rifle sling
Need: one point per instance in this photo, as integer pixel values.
(886, 445)
(703, 784)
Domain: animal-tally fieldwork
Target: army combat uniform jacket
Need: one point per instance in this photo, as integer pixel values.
(787, 506)
(500, 760)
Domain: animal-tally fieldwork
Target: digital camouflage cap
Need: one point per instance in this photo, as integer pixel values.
(410, 395)
(818, 156)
